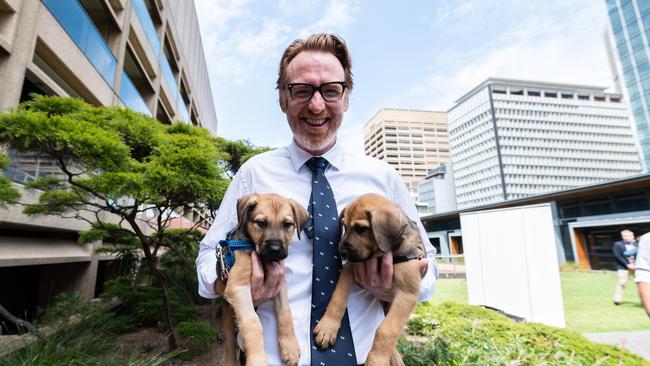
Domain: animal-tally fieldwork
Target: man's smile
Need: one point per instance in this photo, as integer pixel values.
(315, 122)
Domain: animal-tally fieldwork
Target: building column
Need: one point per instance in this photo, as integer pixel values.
(22, 43)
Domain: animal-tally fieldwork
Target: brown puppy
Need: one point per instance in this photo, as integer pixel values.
(370, 226)
(269, 221)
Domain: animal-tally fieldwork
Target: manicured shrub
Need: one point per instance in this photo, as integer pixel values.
(454, 334)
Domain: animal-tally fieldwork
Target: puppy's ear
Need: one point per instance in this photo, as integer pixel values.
(341, 227)
(300, 216)
(387, 224)
(245, 206)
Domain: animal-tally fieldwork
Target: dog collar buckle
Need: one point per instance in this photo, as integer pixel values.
(222, 269)
(226, 255)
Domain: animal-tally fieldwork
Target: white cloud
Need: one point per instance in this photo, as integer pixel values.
(338, 16)
(242, 39)
(542, 46)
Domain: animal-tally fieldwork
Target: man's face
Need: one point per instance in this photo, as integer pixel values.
(314, 123)
(627, 236)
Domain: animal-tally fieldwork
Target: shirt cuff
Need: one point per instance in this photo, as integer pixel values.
(207, 279)
(428, 284)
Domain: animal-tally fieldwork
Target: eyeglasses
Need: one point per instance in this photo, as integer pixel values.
(303, 92)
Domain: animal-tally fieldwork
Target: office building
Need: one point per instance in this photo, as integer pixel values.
(412, 141)
(511, 139)
(436, 191)
(142, 54)
(630, 26)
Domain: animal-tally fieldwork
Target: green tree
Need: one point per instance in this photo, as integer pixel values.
(238, 152)
(118, 166)
(7, 193)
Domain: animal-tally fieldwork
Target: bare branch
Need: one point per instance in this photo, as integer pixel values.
(20, 323)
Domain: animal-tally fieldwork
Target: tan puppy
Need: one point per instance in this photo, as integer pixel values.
(269, 221)
(370, 226)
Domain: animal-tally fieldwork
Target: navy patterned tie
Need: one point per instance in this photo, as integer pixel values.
(324, 226)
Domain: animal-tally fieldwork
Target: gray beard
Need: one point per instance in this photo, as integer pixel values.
(306, 144)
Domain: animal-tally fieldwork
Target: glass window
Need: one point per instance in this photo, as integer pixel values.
(144, 17)
(628, 13)
(76, 22)
(169, 78)
(644, 6)
(640, 56)
(131, 97)
(615, 20)
(636, 42)
(633, 28)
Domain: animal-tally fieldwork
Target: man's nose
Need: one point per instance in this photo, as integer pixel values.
(316, 104)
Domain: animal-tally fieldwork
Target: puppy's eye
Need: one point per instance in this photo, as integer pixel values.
(360, 229)
(261, 224)
(287, 225)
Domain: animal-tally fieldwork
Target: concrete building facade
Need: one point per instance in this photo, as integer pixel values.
(437, 191)
(146, 55)
(412, 141)
(630, 26)
(511, 139)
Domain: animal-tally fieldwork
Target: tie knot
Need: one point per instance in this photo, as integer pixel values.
(317, 164)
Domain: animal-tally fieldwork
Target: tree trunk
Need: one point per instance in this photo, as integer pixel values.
(20, 323)
(171, 337)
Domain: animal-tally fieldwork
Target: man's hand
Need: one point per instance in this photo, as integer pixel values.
(265, 279)
(376, 274)
(631, 266)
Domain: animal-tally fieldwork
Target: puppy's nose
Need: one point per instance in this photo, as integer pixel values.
(274, 247)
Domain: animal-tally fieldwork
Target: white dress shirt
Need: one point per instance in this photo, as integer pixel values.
(282, 171)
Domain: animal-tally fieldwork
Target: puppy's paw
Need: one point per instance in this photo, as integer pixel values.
(396, 359)
(325, 332)
(377, 359)
(289, 352)
(257, 359)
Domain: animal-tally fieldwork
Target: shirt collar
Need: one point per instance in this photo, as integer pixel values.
(299, 156)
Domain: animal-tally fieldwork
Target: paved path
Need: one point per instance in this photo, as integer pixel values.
(637, 342)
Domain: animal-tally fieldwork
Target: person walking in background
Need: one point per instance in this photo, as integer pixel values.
(625, 254)
(642, 275)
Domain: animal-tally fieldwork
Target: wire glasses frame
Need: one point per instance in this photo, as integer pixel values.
(330, 92)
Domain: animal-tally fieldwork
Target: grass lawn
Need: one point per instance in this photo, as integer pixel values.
(587, 298)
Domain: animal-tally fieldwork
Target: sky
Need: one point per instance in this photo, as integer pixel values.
(420, 54)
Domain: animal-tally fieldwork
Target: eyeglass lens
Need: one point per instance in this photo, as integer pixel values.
(331, 92)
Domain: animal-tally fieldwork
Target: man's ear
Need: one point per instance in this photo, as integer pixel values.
(282, 98)
(245, 206)
(300, 216)
(346, 101)
(387, 223)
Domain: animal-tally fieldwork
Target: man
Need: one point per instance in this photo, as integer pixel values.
(642, 276)
(624, 253)
(314, 83)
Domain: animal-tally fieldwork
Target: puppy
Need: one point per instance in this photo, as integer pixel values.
(269, 221)
(370, 226)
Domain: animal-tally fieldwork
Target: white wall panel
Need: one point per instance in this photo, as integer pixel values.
(511, 262)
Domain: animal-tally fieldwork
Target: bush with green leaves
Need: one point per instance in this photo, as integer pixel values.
(196, 336)
(142, 304)
(454, 334)
(8, 194)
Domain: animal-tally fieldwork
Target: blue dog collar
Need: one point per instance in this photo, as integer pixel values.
(226, 256)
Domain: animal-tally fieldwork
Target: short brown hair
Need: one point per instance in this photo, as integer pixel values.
(317, 42)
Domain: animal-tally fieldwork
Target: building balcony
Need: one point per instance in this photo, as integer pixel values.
(131, 97)
(149, 28)
(76, 22)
